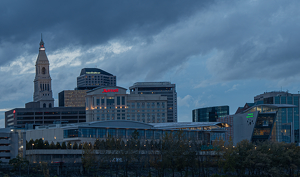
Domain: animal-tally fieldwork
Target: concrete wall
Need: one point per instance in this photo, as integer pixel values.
(243, 126)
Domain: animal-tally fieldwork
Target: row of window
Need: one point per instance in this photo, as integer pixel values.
(51, 117)
(50, 113)
(129, 133)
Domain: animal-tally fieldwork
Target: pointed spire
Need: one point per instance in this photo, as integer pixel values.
(42, 42)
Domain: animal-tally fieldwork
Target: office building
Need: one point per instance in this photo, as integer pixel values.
(42, 82)
(91, 78)
(287, 116)
(112, 103)
(72, 98)
(262, 122)
(210, 114)
(24, 117)
(164, 89)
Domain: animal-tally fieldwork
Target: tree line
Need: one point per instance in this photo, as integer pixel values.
(176, 155)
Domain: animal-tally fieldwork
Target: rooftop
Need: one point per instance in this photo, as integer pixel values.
(140, 125)
(94, 71)
(152, 83)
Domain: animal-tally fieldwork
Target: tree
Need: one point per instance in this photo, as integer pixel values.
(19, 164)
(63, 145)
(69, 145)
(46, 145)
(52, 145)
(75, 146)
(57, 146)
(97, 144)
(39, 144)
(44, 166)
(88, 158)
(29, 144)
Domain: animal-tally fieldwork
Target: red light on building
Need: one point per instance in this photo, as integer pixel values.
(110, 90)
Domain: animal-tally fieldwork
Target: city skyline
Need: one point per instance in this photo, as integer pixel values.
(217, 53)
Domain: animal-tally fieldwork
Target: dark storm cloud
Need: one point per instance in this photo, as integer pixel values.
(85, 23)
(245, 40)
(239, 39)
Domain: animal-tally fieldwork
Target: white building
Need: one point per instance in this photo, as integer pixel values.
(112, 103)
(164, 89)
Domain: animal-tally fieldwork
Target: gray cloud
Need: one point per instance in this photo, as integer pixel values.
(78, 23)
(144, 41)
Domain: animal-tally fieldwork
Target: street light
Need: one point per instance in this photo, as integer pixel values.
(32, 146)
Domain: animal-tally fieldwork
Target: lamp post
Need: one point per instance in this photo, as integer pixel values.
(32, 146)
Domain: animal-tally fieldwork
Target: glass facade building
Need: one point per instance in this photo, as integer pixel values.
(124, 130)
(210, 114)
(289, 116)
(269, 124)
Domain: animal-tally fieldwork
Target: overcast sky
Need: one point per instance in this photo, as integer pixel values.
(216, 52)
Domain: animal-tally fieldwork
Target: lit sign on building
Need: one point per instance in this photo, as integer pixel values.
(250, 115)
(93, 72)
(110, 90)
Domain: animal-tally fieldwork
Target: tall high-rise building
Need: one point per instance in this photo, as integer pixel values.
(42, 82)
(287, 117)
(162, 88)
(91, 78)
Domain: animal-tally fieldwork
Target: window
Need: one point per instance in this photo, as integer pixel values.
(112, 132)
(87, 133)
(121, 133)
(70, 133)
(157, 134)
(118, 100)
(123, 100)
(102, 133)
(149, 134)
(43, 70)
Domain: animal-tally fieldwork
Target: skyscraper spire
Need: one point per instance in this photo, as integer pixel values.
(42, 81)
(42, 42)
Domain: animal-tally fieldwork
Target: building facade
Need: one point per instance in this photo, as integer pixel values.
(112, 103)
(24, 117)
(262, 122)
(123, 129)
(289, 116)
(72, 98)
(210, 114)
(91, 78)
(229, 120)
(42, 82)
(11, 144)
(164, 89)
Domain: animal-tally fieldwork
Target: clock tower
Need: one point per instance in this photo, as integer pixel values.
(42, 81)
